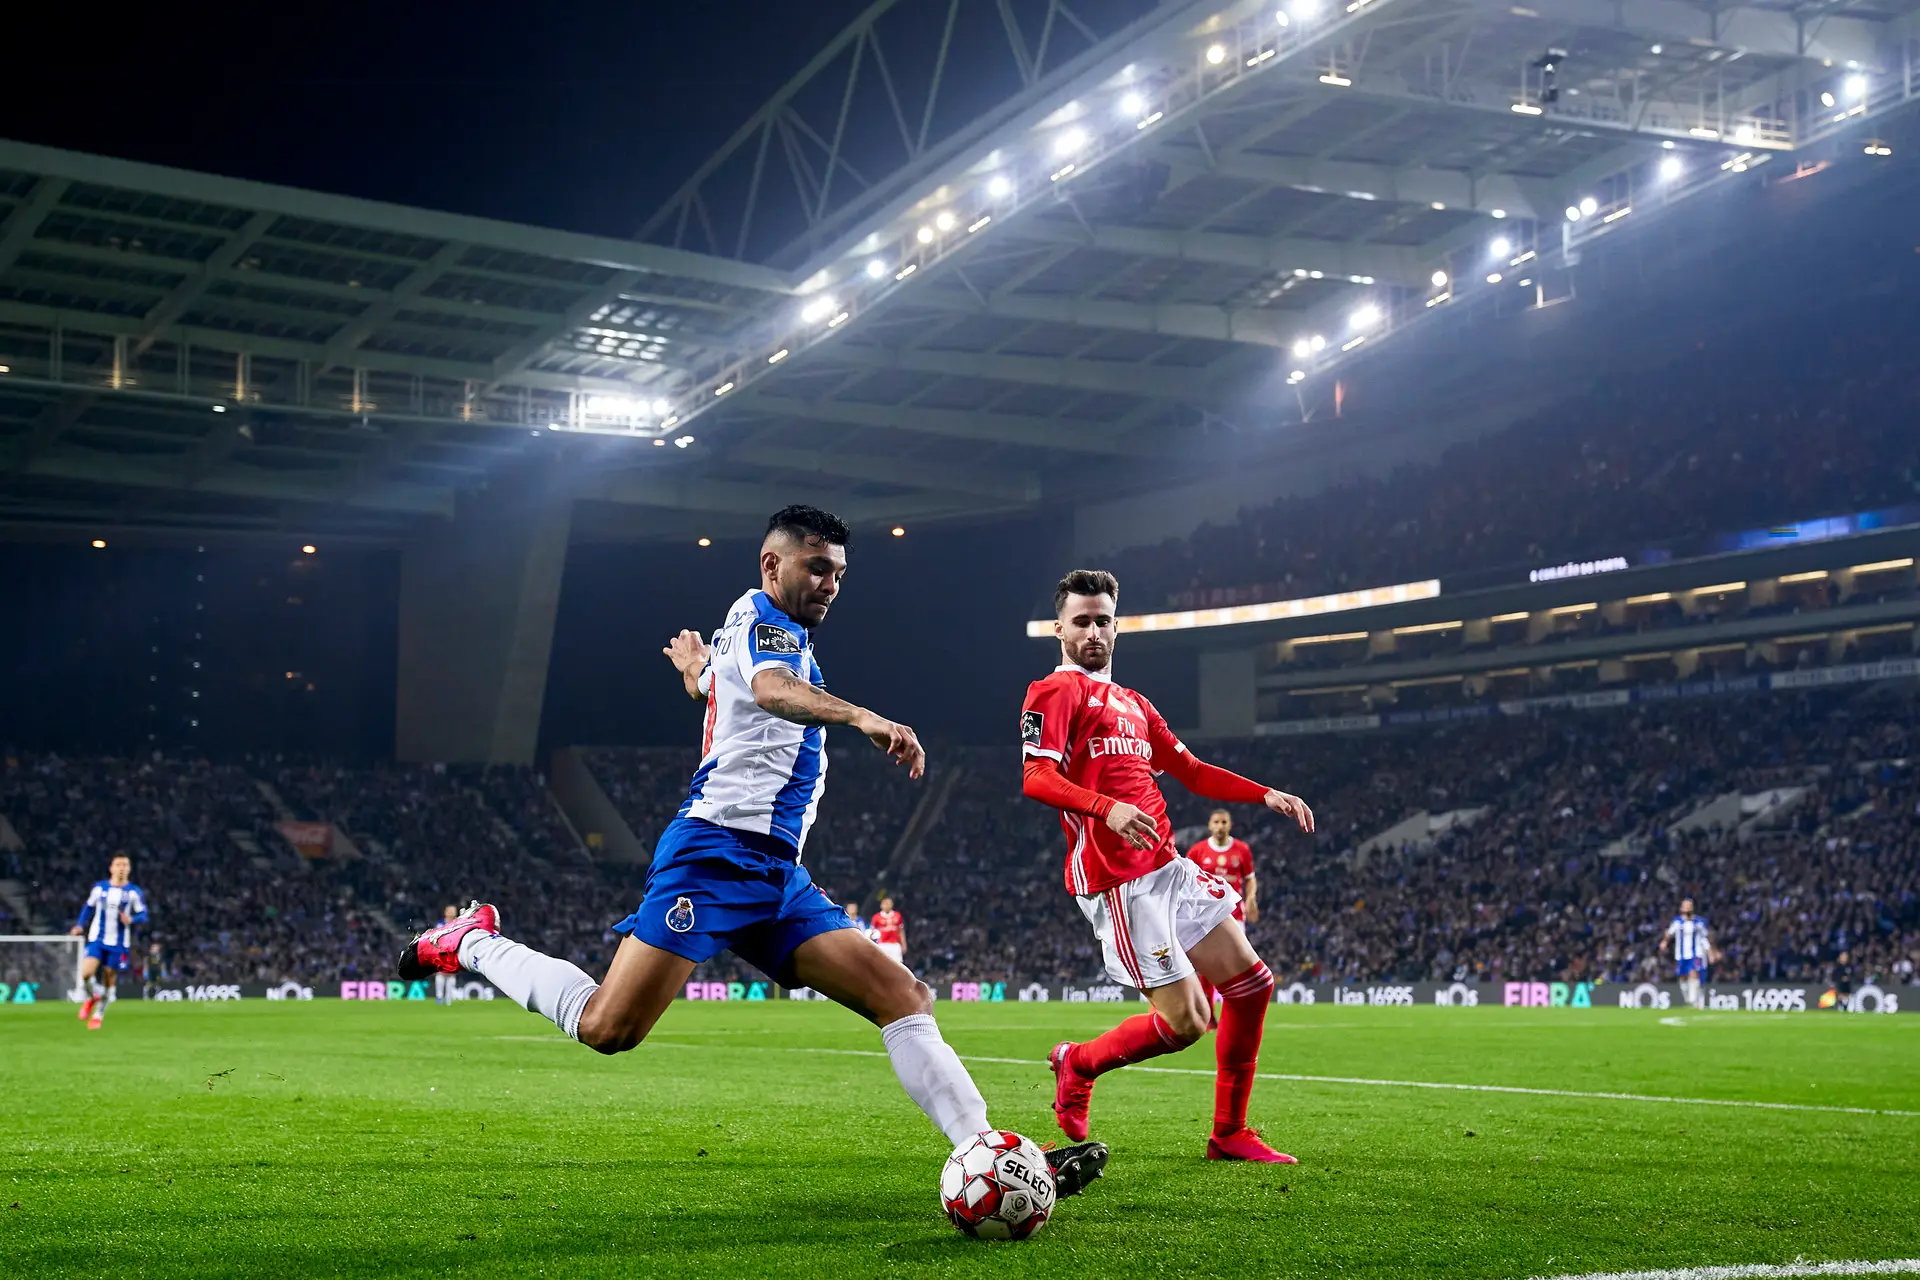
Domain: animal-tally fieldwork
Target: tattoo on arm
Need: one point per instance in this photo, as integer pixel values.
(797, 702)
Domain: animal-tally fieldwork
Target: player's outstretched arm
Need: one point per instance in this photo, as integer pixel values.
(1210, 782)
(689, 654)
(1043, 781)
(779, 692)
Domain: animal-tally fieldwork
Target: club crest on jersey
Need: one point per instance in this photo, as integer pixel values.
(1031, 723)
(1165, 956)
(680, 915)
(768, 638)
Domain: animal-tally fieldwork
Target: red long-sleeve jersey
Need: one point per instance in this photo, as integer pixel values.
(1108, 743)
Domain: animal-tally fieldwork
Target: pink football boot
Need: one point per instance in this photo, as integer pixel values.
(438, 949)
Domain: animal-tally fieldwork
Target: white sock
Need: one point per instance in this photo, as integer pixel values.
(96, 988)
(931, 1073)
(555, 989)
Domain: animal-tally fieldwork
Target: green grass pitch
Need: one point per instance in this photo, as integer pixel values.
(770, 1139)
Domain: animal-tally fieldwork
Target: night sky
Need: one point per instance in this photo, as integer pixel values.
(582, 116)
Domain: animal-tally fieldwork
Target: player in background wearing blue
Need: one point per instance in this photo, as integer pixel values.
(1692, 951)
(727, 873)
(113, 907)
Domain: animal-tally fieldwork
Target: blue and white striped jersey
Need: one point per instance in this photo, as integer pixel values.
(1689, 938)
(758, 772)
(100, 917)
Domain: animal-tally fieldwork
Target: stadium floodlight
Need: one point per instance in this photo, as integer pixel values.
(1671, 167)
(661, 407)
(924, 235)
(1298, 375)
(999, 186)
(1364, 316)
(899, 532)
(1439, 279)
(1876, 147)
(99, 544)
(1302, 10)
(1497, 213)
(1494, 277)
(1282, 19)
(1743, 134)
(1132, 104)
(1216, 54)
(1502, 246)
(1826, 98)
(615, 407)
(307, 549)
(1589, 206)
(945, 220)
(683, 442)
(1318, 343)
(876, 269)
(724, 387)
(1856, 87)
(1573, 213)
(818, 309)
(779, 355)
(1302, 348)
(705, 542)
(1071, 142)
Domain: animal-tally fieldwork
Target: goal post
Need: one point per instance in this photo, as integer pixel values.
(40, 967)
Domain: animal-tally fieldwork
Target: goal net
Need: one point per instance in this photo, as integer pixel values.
(36, 968)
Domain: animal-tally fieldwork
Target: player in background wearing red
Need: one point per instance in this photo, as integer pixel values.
(1092, 748)
(890, 931)
(1232, 861)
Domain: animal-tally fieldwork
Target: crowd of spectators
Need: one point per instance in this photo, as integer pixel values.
(1715, 443)
(1573, 862)
(1575, 845)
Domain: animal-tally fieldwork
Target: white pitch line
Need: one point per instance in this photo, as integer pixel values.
(1759, 1271)
(1436, 1084)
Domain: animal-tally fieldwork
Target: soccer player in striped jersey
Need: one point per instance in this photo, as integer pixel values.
(113, 907)
(1092, 749)
(726, 873)
(1692, 951)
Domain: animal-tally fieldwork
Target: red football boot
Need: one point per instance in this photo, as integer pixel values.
(86, 1008)
(1246, 1144)
(438, 949)
(1071, 1093)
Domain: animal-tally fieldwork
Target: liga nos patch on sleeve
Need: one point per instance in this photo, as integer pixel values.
(1031, 722)
(768, 638)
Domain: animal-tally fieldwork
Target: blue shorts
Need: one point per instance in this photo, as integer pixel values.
(714, 889)
(1687, 967)
(112, 957)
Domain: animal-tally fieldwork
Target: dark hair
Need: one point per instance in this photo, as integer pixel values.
(801, 522)
(1086, 582)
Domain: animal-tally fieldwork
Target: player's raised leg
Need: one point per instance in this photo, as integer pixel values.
(610, 1017)
(848, 967)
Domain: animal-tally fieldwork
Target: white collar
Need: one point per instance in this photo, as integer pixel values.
(1219, 848)
(1104, 677)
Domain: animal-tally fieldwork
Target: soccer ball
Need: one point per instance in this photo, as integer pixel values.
(996, 1185)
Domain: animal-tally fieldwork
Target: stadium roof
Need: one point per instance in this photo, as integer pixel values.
(974, 254)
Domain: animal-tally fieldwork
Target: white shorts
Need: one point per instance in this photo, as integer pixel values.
(1146, 925)
(892, 951)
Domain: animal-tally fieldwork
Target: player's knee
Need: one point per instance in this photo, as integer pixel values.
(904, 999)
(609, 1036)
(1187, 1019)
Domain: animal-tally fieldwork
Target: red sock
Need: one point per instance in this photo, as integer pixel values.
(1237, 1047)
(1143, 1036)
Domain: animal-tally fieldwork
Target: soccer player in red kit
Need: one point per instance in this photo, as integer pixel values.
(1232, 861)
(890, 931)
(1092, 748)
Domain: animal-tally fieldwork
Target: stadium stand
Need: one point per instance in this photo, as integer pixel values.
(1714, 442)
(1794, 819)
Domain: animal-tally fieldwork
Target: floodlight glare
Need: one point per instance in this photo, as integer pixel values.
(876, 269)
(1439, 279)
(1302, 348)
(944, 220)
(1364, 316)
(1318, 344)
(660, 407)
(999, 186)
(1282, 18)
(1856, 87)
(924, 235)
(1497, 213)
(1304, 9)
(819, 309)
(1216, 54)
(1573, 213)
(1132, 104)
(1671, 167)
(1502, 246)
(1826, 99)
(1070, 142)
(1589, 206)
